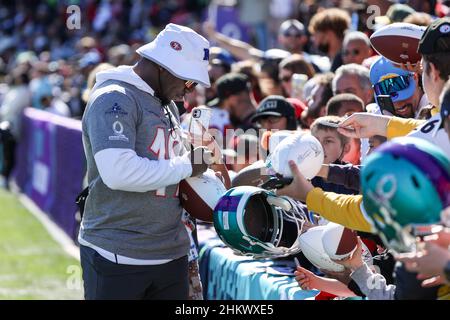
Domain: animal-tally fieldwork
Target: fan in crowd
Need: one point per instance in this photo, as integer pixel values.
(308, 122)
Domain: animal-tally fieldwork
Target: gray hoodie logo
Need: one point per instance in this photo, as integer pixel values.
(118, 132)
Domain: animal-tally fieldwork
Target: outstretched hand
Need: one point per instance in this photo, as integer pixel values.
(364, 125)
(305, 278)
(428, 263)
(300, 186)
(415, 68)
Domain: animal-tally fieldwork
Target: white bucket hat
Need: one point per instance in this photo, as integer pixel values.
(181, 51)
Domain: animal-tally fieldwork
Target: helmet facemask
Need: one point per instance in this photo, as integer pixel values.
(266, 226)
(277, 229)
(275, 225)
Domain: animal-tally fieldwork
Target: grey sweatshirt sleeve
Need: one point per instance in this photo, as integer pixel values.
(111, 124)
(346, 175)
(373, 285)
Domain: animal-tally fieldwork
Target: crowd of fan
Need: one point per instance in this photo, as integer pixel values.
(310, 65)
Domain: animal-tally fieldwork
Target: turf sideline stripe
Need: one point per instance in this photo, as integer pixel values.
(52, 228)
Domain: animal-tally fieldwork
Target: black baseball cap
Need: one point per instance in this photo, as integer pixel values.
(274, 106)
(228, 85)
(436, 38)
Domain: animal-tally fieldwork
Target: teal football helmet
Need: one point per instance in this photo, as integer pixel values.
(405, 185)
(255, 222)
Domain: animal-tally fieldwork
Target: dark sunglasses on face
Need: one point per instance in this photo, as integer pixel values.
(392, 85)
(190, 85)
(353, 52)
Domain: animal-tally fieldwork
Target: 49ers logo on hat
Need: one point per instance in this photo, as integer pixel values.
(176, 46)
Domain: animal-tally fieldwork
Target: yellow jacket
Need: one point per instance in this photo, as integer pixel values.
(346, 209)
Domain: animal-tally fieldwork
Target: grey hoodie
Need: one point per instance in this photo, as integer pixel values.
(373, 285)
(134, 166)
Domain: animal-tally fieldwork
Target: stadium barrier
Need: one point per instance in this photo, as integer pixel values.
(50, 165)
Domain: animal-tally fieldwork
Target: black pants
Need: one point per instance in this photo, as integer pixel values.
(107, 280)
(7, 154)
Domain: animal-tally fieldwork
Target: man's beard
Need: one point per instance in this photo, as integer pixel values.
(409, 108)
(324, 47)
(180, 106)
(165, 101)
(235, 121)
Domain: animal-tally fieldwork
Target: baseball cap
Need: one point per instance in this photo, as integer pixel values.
(436, 38)
(276, 54)
(298, 105)
(292, 26)
(220, 56)
(180, 50)
(382, 69)
(274, 106)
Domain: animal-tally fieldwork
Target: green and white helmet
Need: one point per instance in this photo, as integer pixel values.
(405, 185)
(255, 222)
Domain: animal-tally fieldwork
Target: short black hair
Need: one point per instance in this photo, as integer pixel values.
(323, 124)
(440, 61)
(231, 84)
(336, 103)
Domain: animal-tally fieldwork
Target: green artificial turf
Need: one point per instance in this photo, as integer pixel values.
(32, 264)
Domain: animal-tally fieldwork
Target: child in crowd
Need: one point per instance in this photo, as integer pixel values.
(335, 146)
(373, 285)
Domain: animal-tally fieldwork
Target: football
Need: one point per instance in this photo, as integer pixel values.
(303, 148)
(398, 42)
(199, 195)
(338, 241)
(270, 139)
(312, 248)
(277, 137)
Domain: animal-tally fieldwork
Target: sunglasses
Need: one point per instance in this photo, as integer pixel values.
(269, 119)
(190, 85)
(392, 85)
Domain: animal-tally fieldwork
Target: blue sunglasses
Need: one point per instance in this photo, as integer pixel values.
(392, 85)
